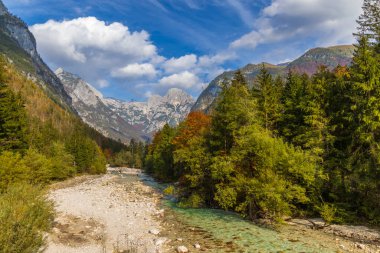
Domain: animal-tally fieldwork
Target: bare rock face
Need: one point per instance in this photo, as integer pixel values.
(89, 104)
(16, 33)
(124, 120)
(152, 115)
(3, 9)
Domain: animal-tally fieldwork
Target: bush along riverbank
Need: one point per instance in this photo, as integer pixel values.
(293, 146)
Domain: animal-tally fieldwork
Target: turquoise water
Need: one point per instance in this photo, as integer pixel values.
(229, 227)
(239, 235)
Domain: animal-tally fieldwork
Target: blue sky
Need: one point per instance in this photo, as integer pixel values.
(131, 49)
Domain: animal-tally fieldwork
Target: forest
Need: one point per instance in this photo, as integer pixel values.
(41, 143)
(285, 146)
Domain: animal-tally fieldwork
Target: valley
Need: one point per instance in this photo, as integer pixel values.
(129, 212)
(189, 126)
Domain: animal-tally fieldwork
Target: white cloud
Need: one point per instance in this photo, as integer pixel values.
(328, 22)
(84, 38)
(102, 83)
(180, 64)
(107, 54)
(95, 49)
(243, 12)
(135, 70)
(183, 80)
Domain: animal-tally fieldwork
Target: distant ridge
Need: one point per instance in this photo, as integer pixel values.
(308, 63)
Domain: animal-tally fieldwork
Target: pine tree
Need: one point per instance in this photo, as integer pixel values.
(315, 135)
(12, 119)
(292, 119)
(234, 108)
(268, 93)
(364, 149)
(369, 21)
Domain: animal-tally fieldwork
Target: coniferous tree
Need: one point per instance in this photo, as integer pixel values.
(268, 93)
(314, 134)
(369, 21)
(292, 118)
(234, 109)
(12, 119)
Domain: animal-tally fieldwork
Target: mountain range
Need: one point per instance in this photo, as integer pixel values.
(117, 119)
(123, 120)
(308, 63)
(19, 45)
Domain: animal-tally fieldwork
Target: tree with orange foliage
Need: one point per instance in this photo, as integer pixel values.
(194, 125)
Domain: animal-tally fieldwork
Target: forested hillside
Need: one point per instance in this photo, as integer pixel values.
(299, 146)
(40, 142)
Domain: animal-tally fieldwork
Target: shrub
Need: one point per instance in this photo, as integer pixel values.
(24, 215)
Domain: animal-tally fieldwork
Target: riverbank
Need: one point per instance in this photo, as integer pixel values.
(99, 214)
(120, 211)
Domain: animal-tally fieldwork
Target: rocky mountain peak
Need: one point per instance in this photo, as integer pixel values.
(74, 84)
(22, 45)
(3, 9)
(89, 104)
(152, 115)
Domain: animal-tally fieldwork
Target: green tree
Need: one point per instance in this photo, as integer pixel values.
(234, 109)
(292, 119)
(12, 119)
(160, 155)
(268, 93)
(63, 162)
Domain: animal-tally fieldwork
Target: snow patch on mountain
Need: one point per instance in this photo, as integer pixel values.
(156, 112)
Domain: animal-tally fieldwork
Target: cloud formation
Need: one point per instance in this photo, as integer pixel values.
(112, 56)
(183, 80)
(328, 22)
(105, 53)
(135, 70)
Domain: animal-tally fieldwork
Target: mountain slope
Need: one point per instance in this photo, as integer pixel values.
(88, 102)
(122, 120)
(152, 115)
(308, 63)
(19, 45)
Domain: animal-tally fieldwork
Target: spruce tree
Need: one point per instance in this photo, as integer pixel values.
(369, 21)
(12, 119)
(234, 108)
(268, 93)
(292, 118)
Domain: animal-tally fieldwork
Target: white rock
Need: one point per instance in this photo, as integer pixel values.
(160, 241)
(197, 246)
(154, 231)
(182, 249)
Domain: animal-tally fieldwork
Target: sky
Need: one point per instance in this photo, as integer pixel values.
(133, 49)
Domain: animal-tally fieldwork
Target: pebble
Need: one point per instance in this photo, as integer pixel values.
(359, 246)
(197, 246)
(182, 249)
(154, 231)
(160, 241)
